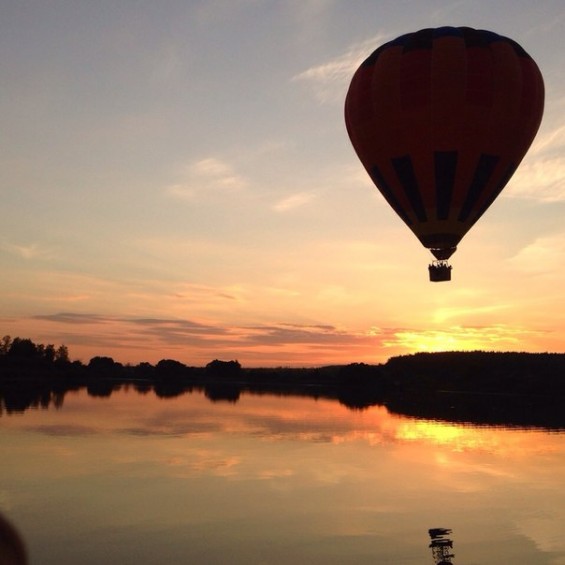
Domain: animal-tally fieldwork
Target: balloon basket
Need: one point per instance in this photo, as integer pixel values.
(440, 271)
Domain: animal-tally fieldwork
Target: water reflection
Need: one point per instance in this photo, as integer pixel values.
(507, 410)
(139, 478)
(441, 546)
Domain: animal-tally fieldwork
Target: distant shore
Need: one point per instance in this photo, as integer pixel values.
(489, 388)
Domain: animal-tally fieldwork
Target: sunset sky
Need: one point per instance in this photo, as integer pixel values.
(177, 182)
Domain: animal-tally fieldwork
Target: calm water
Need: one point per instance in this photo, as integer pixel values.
(274, 480)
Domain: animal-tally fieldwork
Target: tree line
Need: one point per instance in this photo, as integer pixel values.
(511, 388)
(484, 371)
(23, 348)
(24, 358)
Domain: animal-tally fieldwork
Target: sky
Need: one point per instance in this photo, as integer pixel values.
(176, 181)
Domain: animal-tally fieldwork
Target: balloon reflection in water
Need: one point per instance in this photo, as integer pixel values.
(441, 546)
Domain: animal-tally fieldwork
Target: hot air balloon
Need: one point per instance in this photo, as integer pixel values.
(441, 119)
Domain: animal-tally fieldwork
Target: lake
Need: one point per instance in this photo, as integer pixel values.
(133, 478)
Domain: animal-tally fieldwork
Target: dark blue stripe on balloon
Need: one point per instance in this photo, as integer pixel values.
(405, 173)
(384, 187)
(482, 175)
(501, 184)
(474, 38)
(490, 36)
(422, 39)
(448, 31)
(400, 40)
(445, 163)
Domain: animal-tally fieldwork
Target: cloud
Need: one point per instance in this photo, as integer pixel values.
(29, 251)
(550, 141)
(63, 430)
(329, 80)
(206, 176)
(173, 424)
(545, 255)
(445, 313)
(71, 318)
(273, 344)
(178, 331)
(285, 334)
(540, 179)
(213, 462)
(171, 331)
(160, 333)
(541, 176)
(294, 201)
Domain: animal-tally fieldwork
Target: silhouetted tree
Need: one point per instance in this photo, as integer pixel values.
(23, 348)
(359, 374)
(143, 375)
(62, 354)
(5, 345)
(223, 369)
(144, 371)
(48, 353)
(170, 368)
(104, 367)
(24, 358)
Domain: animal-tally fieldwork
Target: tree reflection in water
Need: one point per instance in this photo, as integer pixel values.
(355, 386)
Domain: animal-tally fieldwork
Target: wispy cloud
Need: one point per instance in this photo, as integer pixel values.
(171, 331)
(541, 176)
(58, 430)
(205, 176)
(295, 342)
(446, 313)
(72, 318)
(543, 256)
(541, 179)
(27, 251)
(293, 201)
(549, 141)
(267, 344)
(329, 80)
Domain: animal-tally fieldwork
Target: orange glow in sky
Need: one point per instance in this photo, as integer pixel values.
(178, 184)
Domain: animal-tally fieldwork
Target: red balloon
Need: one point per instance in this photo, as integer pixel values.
(441, 119)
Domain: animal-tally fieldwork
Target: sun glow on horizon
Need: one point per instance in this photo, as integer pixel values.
(464, 338)
(431, 341)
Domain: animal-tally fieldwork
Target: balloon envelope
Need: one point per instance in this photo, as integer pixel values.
(441, 119)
